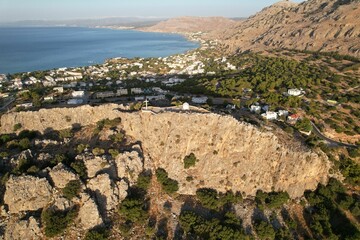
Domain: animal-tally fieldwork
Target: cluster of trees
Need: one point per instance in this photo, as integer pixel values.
(168, 185)
(56, 221)
(211, 199)
(326, 213)
(134, 208)
(304, 125)
(197, 227)
(271, 200)
(100, 125)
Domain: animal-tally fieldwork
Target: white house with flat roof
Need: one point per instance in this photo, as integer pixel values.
(78, 94)
(295, 92)
(270, 115)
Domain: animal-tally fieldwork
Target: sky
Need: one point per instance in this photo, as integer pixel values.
(15, 10)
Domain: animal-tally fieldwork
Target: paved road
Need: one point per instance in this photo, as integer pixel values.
(317, 132)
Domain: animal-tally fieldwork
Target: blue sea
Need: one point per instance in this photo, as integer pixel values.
(24, 49)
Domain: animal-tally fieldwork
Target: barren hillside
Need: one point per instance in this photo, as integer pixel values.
(325, 25)
(231, 154)
(191, 25)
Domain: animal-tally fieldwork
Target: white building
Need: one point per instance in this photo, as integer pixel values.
(136, 91)
(295, 92)
(121, 92)
(158, 97)
(58, 89)
(255, 108)
(78, 94)
(141, 98)
(270, 115)
(49, 99)
(25, 105)
(186, 106)
(199, 100)
(283, 113)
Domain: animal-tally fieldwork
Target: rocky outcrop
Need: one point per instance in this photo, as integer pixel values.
(23, 229)
(129, 165)
(61, 175)
(106, 192)
(232, 155)
(96, 164)
(60, 118)
(89, 215)
(27, 193)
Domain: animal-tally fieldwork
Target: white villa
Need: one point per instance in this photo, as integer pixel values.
(270, 115)
(295, 92)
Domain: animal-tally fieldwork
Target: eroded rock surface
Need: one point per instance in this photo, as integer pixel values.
(89, 215)
(23, 230)
(27, 193)
(61, 175)
(129, 165)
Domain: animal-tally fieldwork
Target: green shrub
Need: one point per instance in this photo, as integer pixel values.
(272, 199)
(81, 147)
(114, 153)
(97, 234)
(118, 137)
(168, 185)
(72, 189)
(143, 181)
(66, 133)
(190, 161)
(98, 151)
(133, 209)
(17, 126)
(264, 230)
(57, 221)
(80, 168)
(24, 143)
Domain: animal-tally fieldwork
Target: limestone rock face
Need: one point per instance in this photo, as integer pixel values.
(106, 192)
(61, 175)
(27, 193)
(23, 230)
(89, 215)
(232, 155)
(123, 187)
(96, 164)
(129, 165)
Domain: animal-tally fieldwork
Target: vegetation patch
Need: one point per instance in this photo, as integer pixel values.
(57, 221)
(190, 160)
(168, 185)
(72, 189)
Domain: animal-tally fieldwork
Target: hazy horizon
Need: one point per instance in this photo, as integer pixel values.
(44, 10)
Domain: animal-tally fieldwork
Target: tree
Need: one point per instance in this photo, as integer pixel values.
(72, 189)
(57, 221)
(17, 126)
(169, 185)
(190, 160)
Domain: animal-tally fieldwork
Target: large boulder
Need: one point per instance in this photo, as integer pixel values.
(61, 175)
(106, 192)
(96, 164)
(89, 215)
(129, 165)
(23, 230)
(27, 193)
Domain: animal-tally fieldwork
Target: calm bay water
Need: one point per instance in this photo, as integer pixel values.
(41, 48)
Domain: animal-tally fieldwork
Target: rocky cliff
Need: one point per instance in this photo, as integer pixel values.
(231, 154)
(317, 25)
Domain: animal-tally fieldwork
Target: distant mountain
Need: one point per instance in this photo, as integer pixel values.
(112, 21)
(191, 25)
(324, 25)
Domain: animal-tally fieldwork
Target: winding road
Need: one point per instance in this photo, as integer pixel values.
(331, 142)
